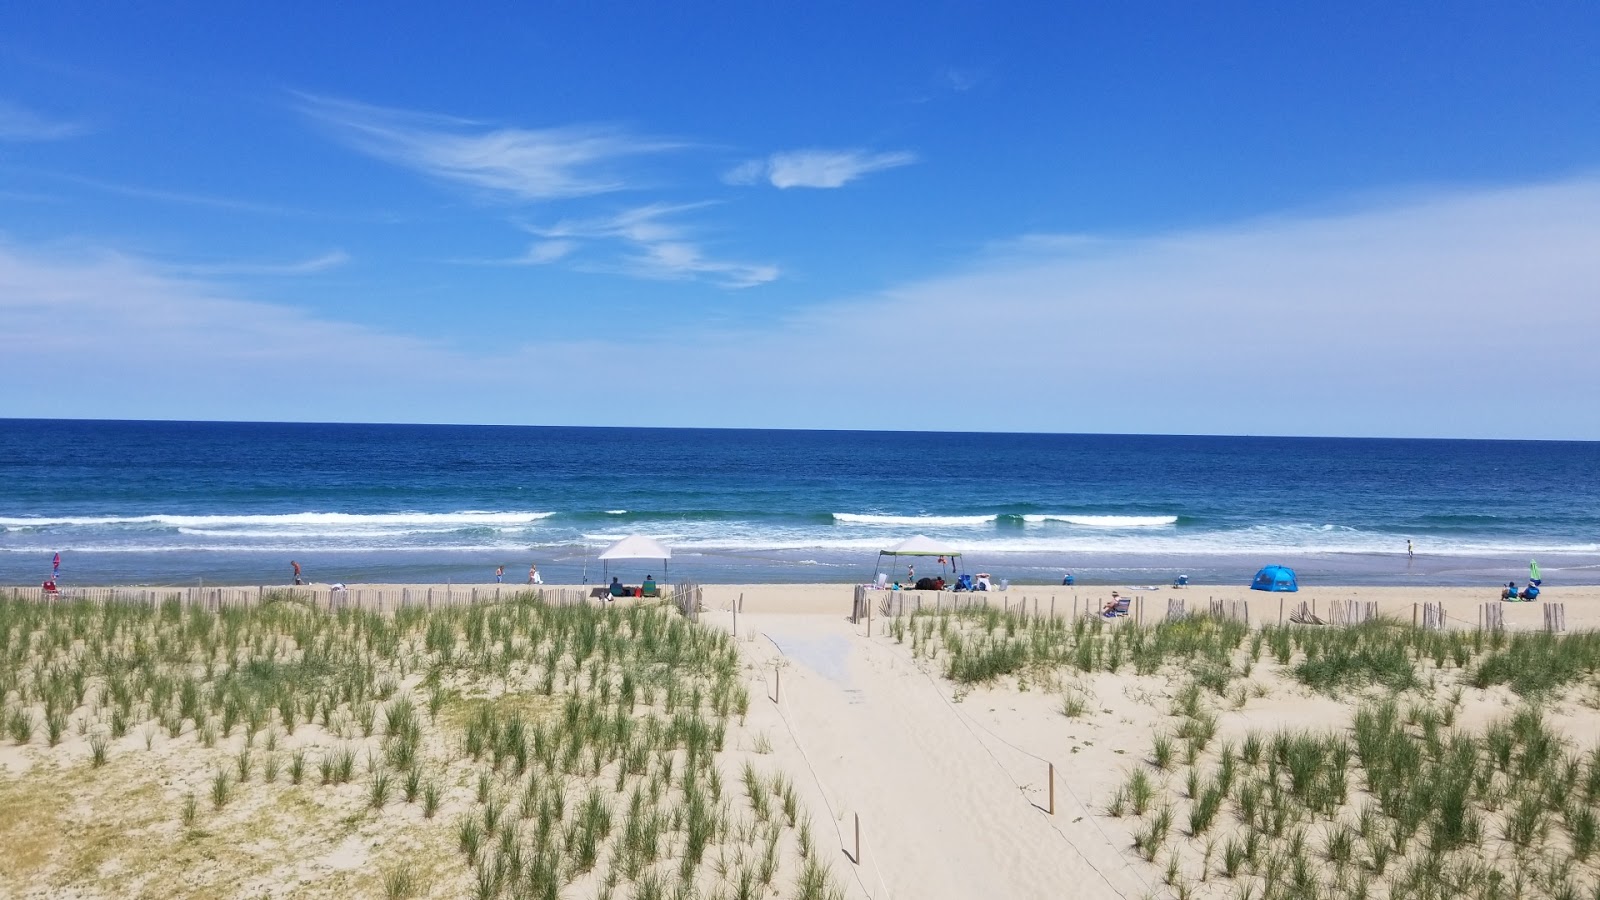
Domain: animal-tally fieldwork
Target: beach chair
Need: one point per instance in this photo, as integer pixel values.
(1117, 610)
(882, 582)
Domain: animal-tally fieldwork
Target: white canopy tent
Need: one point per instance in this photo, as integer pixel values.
(921, 545)
(636, 546)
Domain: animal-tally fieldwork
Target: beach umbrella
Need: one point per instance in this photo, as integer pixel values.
(1533, 570)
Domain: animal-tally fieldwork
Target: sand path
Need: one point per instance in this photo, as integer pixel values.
(941, 814)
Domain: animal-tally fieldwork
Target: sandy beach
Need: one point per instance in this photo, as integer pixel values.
(916, 784)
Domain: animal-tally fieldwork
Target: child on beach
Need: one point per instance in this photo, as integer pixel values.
(499, 574)
(296, 567)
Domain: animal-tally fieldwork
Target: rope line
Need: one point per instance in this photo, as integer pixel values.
(969, 722)
(817, 779)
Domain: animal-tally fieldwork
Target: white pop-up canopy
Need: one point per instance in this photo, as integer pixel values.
(921, 545)
(637, 546)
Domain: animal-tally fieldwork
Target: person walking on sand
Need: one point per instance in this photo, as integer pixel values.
(296, 567)
(911, 574)
(1410, 552)
(533, 575)
(499, 574)
(55, 567)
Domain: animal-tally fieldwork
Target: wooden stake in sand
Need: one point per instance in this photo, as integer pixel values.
(858, 839)
(1052, 789)
(777, 683)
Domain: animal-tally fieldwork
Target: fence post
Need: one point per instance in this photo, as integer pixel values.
(1052, 789)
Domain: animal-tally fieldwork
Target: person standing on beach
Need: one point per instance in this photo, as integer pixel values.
(533, 575)
(55, 567)
(1410, 553)
(499, 574)
(296, 567)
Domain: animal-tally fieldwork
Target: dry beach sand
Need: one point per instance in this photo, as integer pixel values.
(947, 785)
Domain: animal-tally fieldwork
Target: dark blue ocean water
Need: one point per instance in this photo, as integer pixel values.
(174, 502)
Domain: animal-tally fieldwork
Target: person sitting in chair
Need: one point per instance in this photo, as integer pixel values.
(1531, 592)
(1110, 608)
(617, 590)
(1509, 592)
(648, 589)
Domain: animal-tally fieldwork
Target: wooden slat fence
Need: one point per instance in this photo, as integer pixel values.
(380, 600)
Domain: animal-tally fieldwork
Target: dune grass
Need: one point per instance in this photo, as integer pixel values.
(577, 750)
(1404, 803)
(1398, 806)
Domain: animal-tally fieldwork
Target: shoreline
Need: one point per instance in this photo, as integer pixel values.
(1463, 607)
(1034, 570)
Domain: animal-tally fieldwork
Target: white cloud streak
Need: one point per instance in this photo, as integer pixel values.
(517, 163)
(20, 124)
(333, 259)
(655, 247)
(815, 168)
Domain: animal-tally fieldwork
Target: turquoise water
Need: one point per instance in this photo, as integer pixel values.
(175, 502)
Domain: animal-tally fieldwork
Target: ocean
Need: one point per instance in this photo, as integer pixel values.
(173, 503)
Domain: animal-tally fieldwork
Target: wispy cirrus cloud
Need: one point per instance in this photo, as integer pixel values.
(519, 163)
(18, 123)
(674, 260)
(815, 168)
(330, 260)
(653, 246)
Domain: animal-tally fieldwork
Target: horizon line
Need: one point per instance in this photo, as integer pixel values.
(864, 431)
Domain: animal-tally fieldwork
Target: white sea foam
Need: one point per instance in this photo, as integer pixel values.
(929, 521)
(846, 536)
(1104, 521)
(467, 518)
(616, 512)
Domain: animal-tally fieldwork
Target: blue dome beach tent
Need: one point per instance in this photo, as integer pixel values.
(1275, 578)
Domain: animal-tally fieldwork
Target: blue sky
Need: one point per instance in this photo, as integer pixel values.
(1369, 219)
